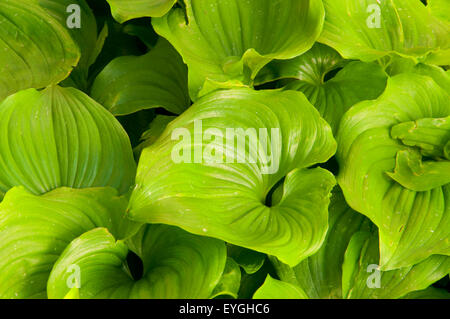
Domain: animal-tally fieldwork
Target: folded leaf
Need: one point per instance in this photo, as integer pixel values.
(61, 137)
(401, 193)
(177, 265)
(157, 79)
(197, 178)
(369, 29)
(229, 41)
(35, 50)
(357, 81)
(34, 231)
(124, 10)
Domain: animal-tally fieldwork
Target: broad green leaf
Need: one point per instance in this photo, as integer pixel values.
(157, 79)
(124, 10)
(251, 261)
(380, 157)
(347, 264)
(35, 49)
(34, 231)
(369, 30)
(177, 265)
(77, 17)
(61, 137)
(357, 81)
(226, 42)
(198, 178)
(362, 278)
(276, 289)
(230, 282)
(320, 275)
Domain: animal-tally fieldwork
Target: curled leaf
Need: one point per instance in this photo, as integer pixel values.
(61, 137)
(197, 178)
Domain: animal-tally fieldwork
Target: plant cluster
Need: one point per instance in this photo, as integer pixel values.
(224, 149)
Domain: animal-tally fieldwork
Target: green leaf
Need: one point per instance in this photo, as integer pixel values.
(61, 137)
(34, 231)
(230, 282)
(85, 35)
(347, 264)
(429, 293)
(414, 221)
(156, 128)
(251, 261)
(124, 10)
(219, 188)
(357, 81)
(177, 265)
(35, 50)
(276, 289)
(230, 41)
(362, 278)
(320, 275)
(369, 29)
(157, 79)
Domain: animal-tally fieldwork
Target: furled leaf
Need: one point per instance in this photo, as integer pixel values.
(276, 289)
(380, 154)
(83, 29)
(357, 81)
(226, 43)
(176, 265)
(61, 137)
(34, 231)
(320, 275)
(124, 10)
(35, 50)
(198, 178)
(369, 29)
(157, 79)
(230, 282)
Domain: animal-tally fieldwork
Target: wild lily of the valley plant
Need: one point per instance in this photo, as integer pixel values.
(224, 148)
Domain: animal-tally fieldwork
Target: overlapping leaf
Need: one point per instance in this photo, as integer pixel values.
(357, 81)
(34, 231)
(227, 42)
(157, 79)
(347, 265)
(276, 289)
(176, 265)
(61, 137)
(198, 178)
(389, 150)
(371, 29)
(77, 17)
(124, 10)
(35, 49)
